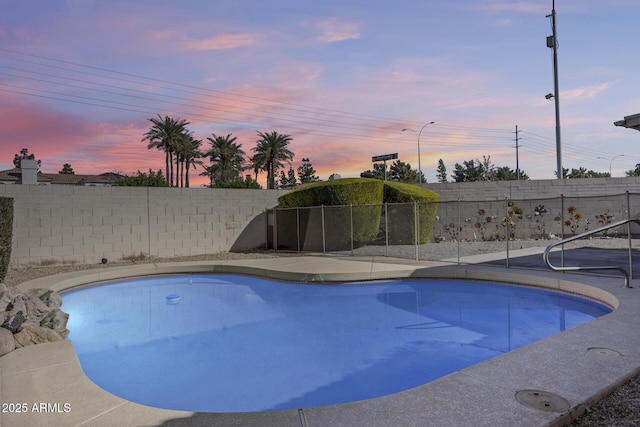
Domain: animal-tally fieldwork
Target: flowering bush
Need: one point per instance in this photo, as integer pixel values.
(510, 220)
(482, 224)
(539, 212)
(603, 219)
(453, 231)
(574, 219)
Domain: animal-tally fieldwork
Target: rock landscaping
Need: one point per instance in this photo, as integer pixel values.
(30, 317)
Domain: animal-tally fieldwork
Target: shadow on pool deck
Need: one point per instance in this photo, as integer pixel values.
(585, 256)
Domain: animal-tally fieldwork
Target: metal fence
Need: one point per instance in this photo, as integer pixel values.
(459, 228)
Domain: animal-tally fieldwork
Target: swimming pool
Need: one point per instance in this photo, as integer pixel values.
(221, 343)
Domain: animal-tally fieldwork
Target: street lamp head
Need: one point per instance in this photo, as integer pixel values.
(549, 96)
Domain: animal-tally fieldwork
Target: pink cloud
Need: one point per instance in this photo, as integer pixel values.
(220, 42)
(57, 138)
(586, 91)
(335, 30)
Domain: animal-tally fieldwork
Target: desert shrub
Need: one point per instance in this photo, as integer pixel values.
(6, 232)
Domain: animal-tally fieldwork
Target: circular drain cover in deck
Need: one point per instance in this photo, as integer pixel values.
(542, 400)
(603, 351)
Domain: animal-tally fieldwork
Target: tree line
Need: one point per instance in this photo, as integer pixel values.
(227, 159)
(468, 171)
(485, 170)
(228, 162)
(473, 170)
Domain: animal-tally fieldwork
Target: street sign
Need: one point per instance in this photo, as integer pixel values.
(384, 157)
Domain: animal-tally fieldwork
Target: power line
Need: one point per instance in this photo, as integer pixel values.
(104, 88)
(361, 120)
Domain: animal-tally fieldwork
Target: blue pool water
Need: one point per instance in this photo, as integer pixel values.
(221, 343)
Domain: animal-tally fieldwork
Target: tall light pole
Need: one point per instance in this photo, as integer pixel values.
(610, 161)
(418, 135)
(552, 42)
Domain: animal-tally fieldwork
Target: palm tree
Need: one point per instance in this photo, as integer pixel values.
(180, 148)
(209, 171)
(164, 135)
(191, 155)
(257, 164)
(227, 159)
(271, 153)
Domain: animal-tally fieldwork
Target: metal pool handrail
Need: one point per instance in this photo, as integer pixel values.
(587, 234)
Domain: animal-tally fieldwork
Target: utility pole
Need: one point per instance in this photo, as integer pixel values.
(517, 156)
(552, 42)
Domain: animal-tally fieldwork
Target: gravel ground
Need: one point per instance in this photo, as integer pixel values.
(620, 409)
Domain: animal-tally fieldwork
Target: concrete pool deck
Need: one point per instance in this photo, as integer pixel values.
(579, 365)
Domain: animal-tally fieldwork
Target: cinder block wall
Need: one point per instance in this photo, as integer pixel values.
(461, 203)
(77, 224)
(534, 189)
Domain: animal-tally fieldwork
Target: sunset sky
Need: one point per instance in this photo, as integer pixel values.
(80, 78)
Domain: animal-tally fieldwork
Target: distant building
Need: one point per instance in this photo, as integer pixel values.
(28, 174)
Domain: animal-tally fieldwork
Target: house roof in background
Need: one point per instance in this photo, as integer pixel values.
(15, 175)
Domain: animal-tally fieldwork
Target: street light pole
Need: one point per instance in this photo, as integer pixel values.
(611, 161)
(418, 135)
(552, 42)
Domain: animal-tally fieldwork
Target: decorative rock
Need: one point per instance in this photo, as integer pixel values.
(7, 343)
(36, 309)
(34, 334)
(7, 295)
(50, 298)
(56, 320)
(32, 317)
(13, 322)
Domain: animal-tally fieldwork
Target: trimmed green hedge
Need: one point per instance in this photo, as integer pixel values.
(347, 191)
(366, 220)
(342, 192)
(427, 200)
(6, 232)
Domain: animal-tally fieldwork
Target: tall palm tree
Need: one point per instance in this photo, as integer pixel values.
(209, 171)
(164, 135)
(179, 148)
(257, 163)
(227, 158)
(270, 154)
(191, 156)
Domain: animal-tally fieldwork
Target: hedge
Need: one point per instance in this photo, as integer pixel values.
(427, 201)
(6, 232)
(347, 191)
(366, 220)
(342, 192)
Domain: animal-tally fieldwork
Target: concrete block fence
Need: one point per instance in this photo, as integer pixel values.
(542, 218)
(461, 204)
(77, 224)
(479, 211)
(534, 189)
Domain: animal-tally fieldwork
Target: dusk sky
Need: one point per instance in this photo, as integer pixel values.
(80, 78)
